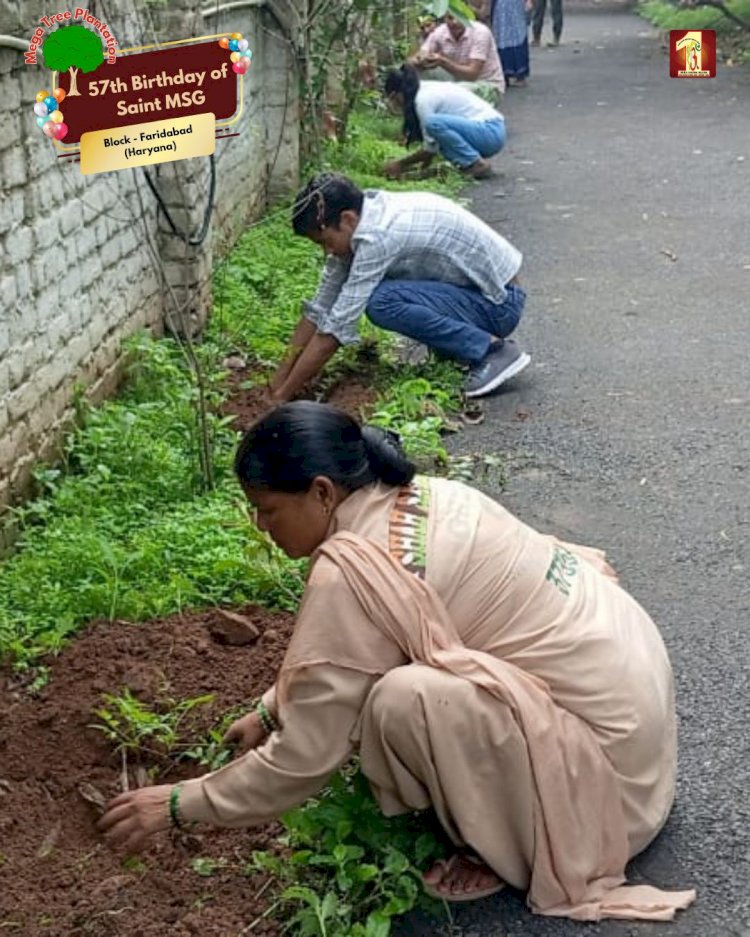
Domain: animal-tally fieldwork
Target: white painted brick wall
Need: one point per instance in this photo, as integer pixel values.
(76, 273)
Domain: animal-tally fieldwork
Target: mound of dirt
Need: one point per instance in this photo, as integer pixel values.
(57, 877)
(247, 404)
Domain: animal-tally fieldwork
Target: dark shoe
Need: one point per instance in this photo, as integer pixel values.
(536, 41)
(502, 362)
(481, 169)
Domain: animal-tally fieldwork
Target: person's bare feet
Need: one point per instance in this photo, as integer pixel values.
(461, 878)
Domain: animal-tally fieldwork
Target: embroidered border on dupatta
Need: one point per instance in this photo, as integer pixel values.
(407, 530)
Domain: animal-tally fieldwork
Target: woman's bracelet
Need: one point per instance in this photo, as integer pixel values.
(174, 808)
(266, 719)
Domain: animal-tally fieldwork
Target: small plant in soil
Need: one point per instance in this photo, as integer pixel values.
(210, 752)
(416, 410)
(146, 734)
(205, 866)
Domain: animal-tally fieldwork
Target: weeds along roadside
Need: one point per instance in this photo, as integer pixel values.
(733, 41)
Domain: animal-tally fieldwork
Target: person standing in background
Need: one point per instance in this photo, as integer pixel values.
(481, 9)
(538, 21)
(510, 27)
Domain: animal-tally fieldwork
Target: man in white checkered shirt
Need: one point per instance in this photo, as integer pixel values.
(418, 264)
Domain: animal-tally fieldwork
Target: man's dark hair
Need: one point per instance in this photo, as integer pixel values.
(320, 203)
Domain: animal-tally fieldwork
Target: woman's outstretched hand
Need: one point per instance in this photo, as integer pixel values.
(246, 733)
(135, 816)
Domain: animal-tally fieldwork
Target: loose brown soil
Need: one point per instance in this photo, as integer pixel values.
(356, 399)
(56, 875)
(247, 404)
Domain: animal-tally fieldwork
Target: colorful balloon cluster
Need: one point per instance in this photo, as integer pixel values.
(49, 116)
(240, 55)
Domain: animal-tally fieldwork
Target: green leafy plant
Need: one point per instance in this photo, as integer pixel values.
(206, 866)
(209, 751)
(137, 730)
(459, 8)
(730, 18)
(417, 410)
(351, 870)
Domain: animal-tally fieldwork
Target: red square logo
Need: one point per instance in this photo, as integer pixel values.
(692, 53)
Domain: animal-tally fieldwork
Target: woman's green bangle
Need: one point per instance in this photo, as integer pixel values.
(174, 807)
(266, 719)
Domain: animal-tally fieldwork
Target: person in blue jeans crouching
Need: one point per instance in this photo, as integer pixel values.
(418, 264)
(445, 118)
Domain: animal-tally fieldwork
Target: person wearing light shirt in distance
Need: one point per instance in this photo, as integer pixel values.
(465, 53)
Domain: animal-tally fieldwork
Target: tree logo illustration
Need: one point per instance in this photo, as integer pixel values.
(71, 48)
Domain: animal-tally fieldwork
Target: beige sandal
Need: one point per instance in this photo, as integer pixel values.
(447, 864)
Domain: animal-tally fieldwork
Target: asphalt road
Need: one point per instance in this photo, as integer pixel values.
(629, 194)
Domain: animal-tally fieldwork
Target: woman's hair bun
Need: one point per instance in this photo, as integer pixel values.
(386, 456)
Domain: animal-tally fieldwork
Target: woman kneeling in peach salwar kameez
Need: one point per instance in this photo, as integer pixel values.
(498, 675)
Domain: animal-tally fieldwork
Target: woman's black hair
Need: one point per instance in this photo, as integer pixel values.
(299, 441)
(405, 81)
(320, 203)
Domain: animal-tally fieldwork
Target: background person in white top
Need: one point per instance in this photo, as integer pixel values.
(446, 119)
(418, 264)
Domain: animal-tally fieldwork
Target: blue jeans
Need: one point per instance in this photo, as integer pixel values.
(457, 321)
(462, 141)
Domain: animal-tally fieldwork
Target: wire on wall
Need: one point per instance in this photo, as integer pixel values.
(191, 240)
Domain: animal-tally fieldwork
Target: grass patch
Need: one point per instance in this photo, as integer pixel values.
(735, 42)
(120, 529)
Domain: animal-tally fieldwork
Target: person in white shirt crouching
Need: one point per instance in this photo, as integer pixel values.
(445, 118)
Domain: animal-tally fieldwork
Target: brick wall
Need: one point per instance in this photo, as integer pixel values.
(78, 254)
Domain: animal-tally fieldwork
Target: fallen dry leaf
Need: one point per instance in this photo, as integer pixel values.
(234, 363)
(50, 841)
(473, 416)
(93, 796)
(141, 776)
